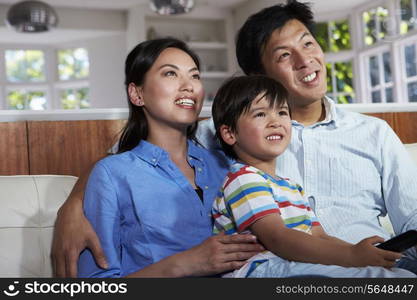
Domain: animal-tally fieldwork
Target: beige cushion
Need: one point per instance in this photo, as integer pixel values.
(412, 150)
(29, 206)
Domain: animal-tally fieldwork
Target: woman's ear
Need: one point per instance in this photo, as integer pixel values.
(227, 135)
(135, 94)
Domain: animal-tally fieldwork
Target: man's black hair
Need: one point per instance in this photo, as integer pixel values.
(255, 33)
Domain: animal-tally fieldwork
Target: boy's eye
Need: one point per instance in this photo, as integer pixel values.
(260, 114)
(283, 113)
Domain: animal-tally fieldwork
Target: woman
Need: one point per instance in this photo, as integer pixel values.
(150, 203)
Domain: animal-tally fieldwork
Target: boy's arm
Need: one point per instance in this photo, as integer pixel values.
(73, 233)
(296, 245)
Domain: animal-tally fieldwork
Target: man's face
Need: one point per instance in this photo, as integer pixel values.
(294, 58)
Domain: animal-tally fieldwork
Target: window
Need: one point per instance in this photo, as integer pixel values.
(380, 81)
(25, 73)
(340, 82)
(73, 70)
(375, 23)
(410, 72)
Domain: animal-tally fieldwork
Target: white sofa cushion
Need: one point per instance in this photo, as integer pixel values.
(29, 206)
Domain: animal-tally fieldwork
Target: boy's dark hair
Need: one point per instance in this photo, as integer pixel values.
(235, 97)
(255, 33)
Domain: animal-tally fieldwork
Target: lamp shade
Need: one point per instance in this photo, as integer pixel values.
(171, 7)
(31, 16)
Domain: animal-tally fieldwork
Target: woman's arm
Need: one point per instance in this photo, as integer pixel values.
(215, 255)
(73, 233)
(322, 249)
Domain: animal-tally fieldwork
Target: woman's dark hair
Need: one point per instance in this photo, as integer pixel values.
(235, 97)
(138, 63)
(255, 33)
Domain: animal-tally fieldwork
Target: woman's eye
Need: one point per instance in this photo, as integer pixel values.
(196, 76)
(170, 73)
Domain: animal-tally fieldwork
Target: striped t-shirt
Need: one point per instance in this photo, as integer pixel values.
(249, 194)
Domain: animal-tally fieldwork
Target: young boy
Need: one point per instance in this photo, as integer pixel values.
(253, 124)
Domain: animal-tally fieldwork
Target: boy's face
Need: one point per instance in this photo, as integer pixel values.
(263, 132)
(294, 58)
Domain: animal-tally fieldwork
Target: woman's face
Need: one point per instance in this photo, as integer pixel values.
(172, 93)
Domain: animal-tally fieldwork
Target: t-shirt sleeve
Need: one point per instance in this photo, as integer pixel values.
(248, 197)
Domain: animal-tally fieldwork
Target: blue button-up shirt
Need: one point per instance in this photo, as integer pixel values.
(353, 167)
(144, 209)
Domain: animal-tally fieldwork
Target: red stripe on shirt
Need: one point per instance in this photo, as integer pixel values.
(256, 217)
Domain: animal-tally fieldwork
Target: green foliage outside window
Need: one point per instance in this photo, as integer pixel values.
(75, 98)
(408, 16)
(73, 64)
(341, 89)
(25, 65)
(333, 36)
(21, 99)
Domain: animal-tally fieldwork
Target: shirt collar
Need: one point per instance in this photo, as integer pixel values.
(154, 154)
(331, 116)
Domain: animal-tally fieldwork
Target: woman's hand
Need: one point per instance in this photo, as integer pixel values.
(220, 253)
(365, 253)
(73, 233)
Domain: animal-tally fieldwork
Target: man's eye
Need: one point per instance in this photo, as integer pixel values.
(308, 44)
(284, 55)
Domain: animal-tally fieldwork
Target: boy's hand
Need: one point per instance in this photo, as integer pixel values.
(365, 253)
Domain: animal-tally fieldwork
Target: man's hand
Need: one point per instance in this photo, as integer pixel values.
(73, 233)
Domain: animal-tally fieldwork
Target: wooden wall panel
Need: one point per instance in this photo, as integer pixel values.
(69, 147)
(406, 126)
(388, 117)
(13, 149)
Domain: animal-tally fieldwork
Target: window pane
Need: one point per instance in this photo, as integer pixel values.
(344, 77)
(383, 16)
(374, 70)
(412, 92)
(25, 65)
(75, 98)
(376, 97)
(388, 95)
(386, 57)
(370, 27)
(340, 36)
(410, 60)
(345, 99)
(322, 36)
(21, 99)
(407, 19)
(329, 78)
(73, 64)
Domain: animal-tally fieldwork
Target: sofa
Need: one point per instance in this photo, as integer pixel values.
(28, 210)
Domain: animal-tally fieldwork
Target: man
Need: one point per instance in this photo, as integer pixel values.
(354, 167)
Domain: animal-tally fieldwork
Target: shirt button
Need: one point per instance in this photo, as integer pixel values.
(190, 158)
(199, 169)
(206, 187)
(153, 159)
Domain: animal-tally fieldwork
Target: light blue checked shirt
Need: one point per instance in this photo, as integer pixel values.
(354, 168)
